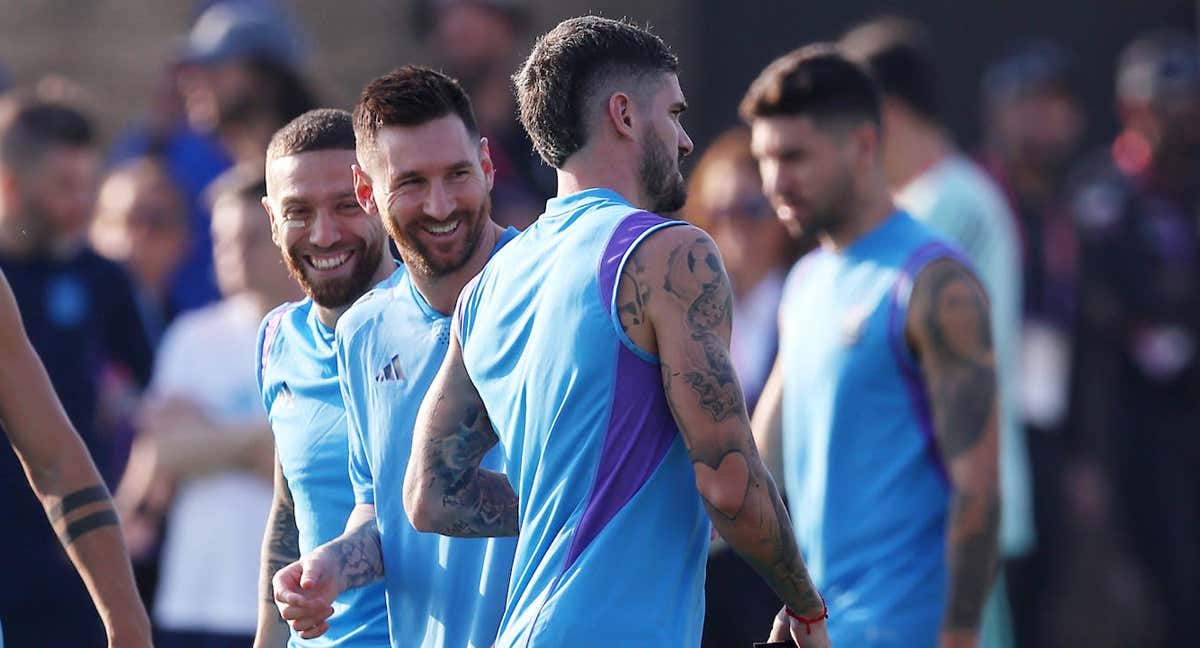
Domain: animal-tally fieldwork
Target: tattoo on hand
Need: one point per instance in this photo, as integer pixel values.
(358, 557)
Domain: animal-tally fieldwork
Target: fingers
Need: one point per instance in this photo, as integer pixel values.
(781, 628)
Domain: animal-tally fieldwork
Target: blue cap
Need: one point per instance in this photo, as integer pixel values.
(235, 29)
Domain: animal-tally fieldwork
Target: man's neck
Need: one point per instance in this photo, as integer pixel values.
(442, 292)
(868, 213)
(920, 146)
(329, 315)
(589, 170)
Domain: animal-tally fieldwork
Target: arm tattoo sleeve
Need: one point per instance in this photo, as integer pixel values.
(484, 501)
(960, 374)
(695, 276)
(78, 522)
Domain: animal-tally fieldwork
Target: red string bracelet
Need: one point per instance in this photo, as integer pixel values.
(806, 621)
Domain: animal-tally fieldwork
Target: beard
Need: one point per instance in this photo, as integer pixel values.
(660, 178)
(417, 256)
(831, 214)
(342, 291)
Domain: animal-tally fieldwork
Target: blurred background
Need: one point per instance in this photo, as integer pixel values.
(1085, 115)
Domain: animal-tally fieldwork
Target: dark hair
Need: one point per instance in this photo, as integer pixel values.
(814, 81)
(568, 65)
(323, 129)
(246, 182)
(896, 52)
(32, 128)
(410, 96)
(280, 94)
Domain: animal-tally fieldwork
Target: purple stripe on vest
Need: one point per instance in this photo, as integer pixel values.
(640, 427)
(914, 380)
(640, 431)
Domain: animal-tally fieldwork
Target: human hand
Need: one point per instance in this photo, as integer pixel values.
(804, 635)
(304, 594)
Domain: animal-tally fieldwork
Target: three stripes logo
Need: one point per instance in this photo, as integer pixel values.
(391, 371)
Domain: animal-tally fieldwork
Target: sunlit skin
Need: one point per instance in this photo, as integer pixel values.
(334, 249)
(430, 184)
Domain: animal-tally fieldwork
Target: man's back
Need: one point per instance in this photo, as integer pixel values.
(613, 533)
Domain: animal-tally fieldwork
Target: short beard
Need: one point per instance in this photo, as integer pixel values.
(662, 185)
(418, 258)
(335, 293)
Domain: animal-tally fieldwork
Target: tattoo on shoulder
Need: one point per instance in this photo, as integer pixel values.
(696, 278)
(959, 364)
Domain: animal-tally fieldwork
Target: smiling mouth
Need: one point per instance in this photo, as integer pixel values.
(442, 229)
(330, 261)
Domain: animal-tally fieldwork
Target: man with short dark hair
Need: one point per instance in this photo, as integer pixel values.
(595, 349)
(79, 312)
(881, 409)
(424, 174)
(336, 252)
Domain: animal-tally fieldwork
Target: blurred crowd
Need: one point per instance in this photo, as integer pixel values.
(142, 269)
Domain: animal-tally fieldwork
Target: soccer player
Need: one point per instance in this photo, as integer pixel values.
(63, 477)
(425, 174)
(336, 252)
(885, 386)
(595, 349)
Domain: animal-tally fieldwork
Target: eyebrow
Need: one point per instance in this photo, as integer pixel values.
(409, 175)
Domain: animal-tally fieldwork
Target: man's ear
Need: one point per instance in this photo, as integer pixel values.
(867, 140)
(485, 162)
(363, 191)
(266, 203)
(619, 111)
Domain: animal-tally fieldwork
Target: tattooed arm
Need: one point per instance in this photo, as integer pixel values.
(64, 478)
(305, 590)
(675, 302)
(445, 490)
(948, 326)
(281, 547)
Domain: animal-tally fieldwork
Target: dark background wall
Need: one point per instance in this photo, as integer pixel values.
(113, 48)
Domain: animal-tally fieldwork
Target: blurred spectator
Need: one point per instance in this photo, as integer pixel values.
(1139, 372)
(1032, 123)
(725, 198)
(940, 187)
(79, 312)
(141, 223)
(206, 434)
(479, 43)
(240, 77)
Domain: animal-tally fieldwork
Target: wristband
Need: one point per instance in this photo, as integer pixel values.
(806, 621)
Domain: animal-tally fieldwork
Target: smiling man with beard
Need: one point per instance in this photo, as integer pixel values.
(336, 252)
(595, 349)
(425, 174)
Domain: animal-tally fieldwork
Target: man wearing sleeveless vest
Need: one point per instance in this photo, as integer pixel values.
(881, 413)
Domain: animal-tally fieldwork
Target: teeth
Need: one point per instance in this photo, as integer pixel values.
(444, 228)
(329, 263)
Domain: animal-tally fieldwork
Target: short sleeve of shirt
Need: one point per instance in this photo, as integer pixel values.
(353, 382)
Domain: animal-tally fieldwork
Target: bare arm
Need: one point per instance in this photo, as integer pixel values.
(445, 490)
(281, 547)
(948, 325)
(676, 301)
(64, 478)
(305, 590)
(768, 423)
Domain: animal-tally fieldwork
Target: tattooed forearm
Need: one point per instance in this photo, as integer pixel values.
(973, 554)
(481, 503)
(82, 511)
(282, 544)
(357, 555)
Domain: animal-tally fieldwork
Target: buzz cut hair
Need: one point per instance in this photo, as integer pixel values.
(323, 129)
